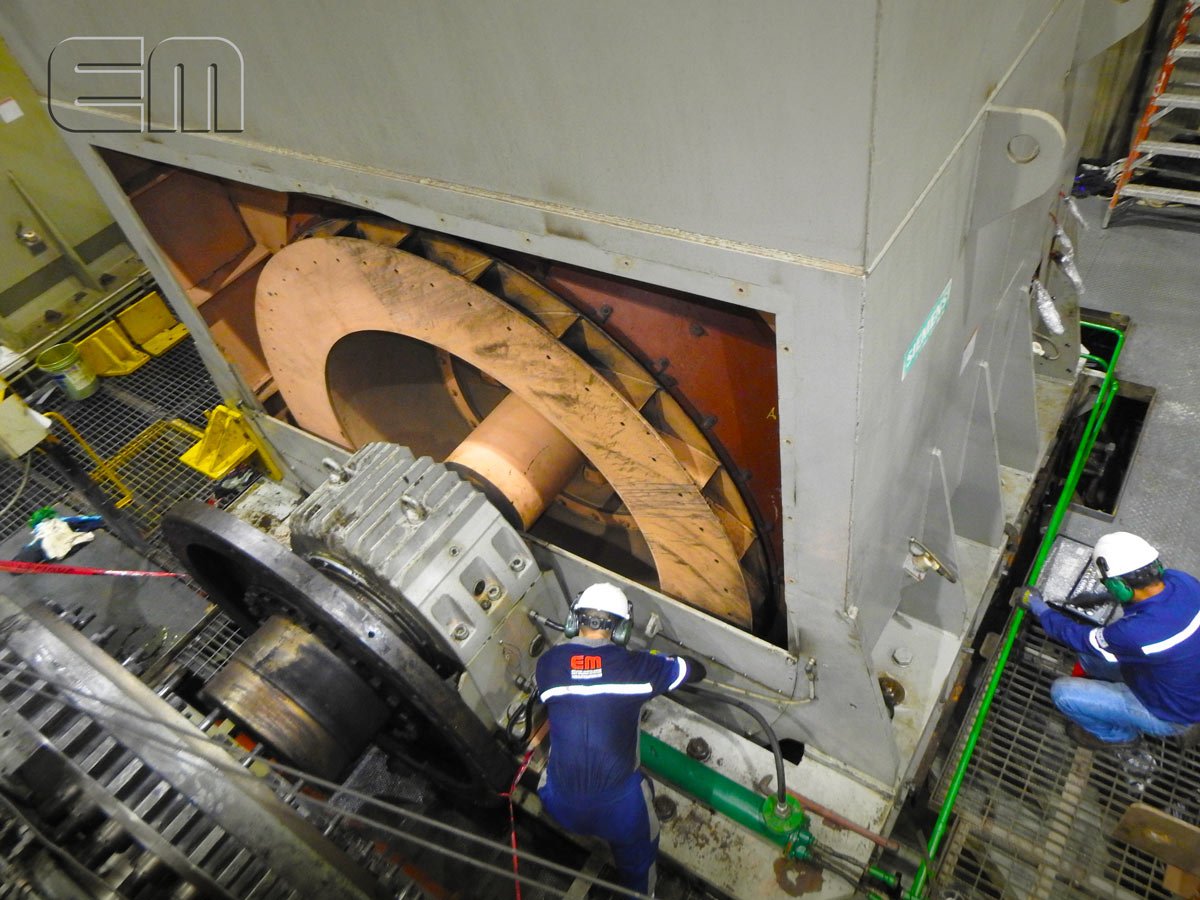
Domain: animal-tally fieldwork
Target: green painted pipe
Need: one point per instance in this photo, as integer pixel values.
(1108, 390)
(882, 875)
(729, 798)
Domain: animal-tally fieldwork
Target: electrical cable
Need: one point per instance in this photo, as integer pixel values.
(834, 862)
(845, 857)
(20, 488)
(523, 713)
(777, 699)
(1049, 340)
(285, 772)
(845, 874)
(848, 875)
(121, 723)
(781, 793)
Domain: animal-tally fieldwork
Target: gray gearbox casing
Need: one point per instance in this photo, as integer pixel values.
(431, 552)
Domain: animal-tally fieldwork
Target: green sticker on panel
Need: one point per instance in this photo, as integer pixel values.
(918, 343)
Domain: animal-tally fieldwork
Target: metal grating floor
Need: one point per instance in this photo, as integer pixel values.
(128, 421)
(1036, 813)
(172, 386)
(211, 647)
(150, 468)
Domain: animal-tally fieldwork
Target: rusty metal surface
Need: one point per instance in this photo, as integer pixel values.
(354, 286)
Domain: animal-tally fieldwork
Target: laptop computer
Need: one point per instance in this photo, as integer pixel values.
(1071, 584)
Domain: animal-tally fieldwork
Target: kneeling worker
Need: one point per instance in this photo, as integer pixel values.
(594, 689)
(1144, 668)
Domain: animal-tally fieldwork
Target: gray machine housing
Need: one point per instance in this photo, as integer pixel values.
(882, 179)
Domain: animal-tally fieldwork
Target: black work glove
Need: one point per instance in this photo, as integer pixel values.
(696, 670)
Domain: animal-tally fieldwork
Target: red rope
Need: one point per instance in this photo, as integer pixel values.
(31, 568)
(512, 820)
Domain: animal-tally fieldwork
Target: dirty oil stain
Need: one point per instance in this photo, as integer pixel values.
(796, 878)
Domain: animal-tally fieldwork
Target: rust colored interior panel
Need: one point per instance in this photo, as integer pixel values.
(691, 382)
(216, 236)
(198, 226)
(718, 360)
(230, 317)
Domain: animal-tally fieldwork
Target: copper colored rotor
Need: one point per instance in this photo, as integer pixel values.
(316, 292)
(516, 454)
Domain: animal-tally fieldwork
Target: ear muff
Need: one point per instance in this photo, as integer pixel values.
(1119, 588)
(622, 632)
(571, 625)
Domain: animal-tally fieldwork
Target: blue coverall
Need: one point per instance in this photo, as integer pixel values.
(1150, 658)
(594, 692)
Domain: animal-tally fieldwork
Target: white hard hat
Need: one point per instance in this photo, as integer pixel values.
(604, 597)
(1124, 552)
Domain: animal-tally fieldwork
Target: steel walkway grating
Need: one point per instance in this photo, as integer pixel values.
(150, 468)
(1036, 813)
(130, 422)
(210, 649)
(172, 386)
(27, 484)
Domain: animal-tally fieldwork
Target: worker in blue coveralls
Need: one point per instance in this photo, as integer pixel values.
(1144, 668)
(594, 688)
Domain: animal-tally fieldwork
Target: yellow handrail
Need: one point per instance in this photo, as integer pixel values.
(103, 469)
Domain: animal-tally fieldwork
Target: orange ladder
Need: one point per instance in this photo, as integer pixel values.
(1169, 94)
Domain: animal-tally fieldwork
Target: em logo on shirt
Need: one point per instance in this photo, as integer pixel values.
(585, 666)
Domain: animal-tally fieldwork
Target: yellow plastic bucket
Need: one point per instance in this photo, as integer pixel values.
(63, 364)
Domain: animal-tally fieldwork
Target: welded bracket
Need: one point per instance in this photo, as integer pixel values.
(977, 502)
(1105, 22)
(226, 443)
(1021, 155)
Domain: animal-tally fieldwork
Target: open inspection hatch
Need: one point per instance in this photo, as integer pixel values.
(666, 467)
(1103, 479)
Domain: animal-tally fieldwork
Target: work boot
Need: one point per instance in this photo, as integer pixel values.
(1089, 741)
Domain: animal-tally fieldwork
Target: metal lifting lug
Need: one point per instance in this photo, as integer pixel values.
(922, 560)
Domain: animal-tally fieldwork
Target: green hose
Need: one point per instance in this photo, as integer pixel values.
(1108, 390)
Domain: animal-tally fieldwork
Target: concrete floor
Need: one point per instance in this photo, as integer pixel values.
(1147, 266)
